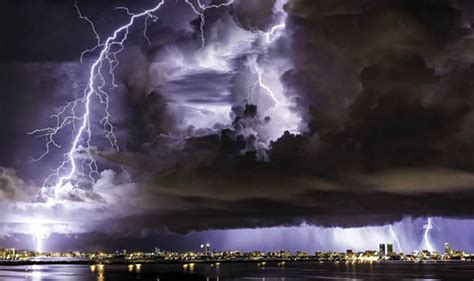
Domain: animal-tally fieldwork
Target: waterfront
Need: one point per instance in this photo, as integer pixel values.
(247, 271)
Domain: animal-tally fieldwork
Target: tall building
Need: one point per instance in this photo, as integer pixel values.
(349, 253)
(390, 249)
(157, 251)
(207, 248)
(447, 249)
(8, 253)
(382, 249)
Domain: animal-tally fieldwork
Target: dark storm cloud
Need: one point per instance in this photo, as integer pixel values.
(49, 30)
(395, 108)
(391, 136)
(385, 88)
(335, 41)
(253, 15)
(317, 207)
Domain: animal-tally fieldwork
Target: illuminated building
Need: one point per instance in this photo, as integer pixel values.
(390, 249)
(157, 252)
(382, 250)
(207, 249)
(301, 255)
(8, 253)
(447, 249)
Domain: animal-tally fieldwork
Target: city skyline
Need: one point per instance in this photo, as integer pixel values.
(384, 252)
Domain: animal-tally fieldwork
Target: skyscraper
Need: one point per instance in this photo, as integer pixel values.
(207, 248)
(447, 249)
(382, 249)
(389, 249)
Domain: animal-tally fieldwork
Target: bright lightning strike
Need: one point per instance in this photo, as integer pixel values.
(274, 32)
(426, 235)
(68, 115)
(270, 36)
(255, 69)
(264, 86)
(77, 114)
(39, 233)
(395, 238)
(200, 10)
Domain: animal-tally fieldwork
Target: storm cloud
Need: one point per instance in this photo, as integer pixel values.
(368, 120)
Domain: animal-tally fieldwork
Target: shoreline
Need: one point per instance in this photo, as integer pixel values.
(154, 262)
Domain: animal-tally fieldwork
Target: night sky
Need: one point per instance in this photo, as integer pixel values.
(299, 124)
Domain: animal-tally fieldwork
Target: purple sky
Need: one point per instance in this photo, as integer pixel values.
(410, 234)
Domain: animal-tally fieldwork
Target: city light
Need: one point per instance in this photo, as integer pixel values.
(135, 259)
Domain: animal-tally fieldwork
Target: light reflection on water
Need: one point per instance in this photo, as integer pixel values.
(244, 271)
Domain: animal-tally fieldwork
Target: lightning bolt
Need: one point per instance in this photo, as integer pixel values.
(253, 66)
(200, 10)
(270, 36)
(274, 32)
(39, 233)
(76, 114)
(145, 29)
(395, 238)
(426, 235)
(264, 86)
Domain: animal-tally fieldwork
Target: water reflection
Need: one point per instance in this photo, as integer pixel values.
(36, 273)
(100, 272)
(247, 271)
(188, 267)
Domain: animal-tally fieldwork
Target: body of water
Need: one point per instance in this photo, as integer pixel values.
(244, 271)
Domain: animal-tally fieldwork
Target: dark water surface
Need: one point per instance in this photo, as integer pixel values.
(247, 271)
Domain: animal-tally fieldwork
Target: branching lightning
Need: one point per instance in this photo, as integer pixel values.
(200, 10)
(259, 83)
(76, 115)
(395, 238)
(68, 115)
(254, 67)
(426, 235)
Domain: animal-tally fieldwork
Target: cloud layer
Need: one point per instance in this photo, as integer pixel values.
(352, 113)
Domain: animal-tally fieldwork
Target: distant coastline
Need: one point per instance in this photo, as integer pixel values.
(181, 262)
